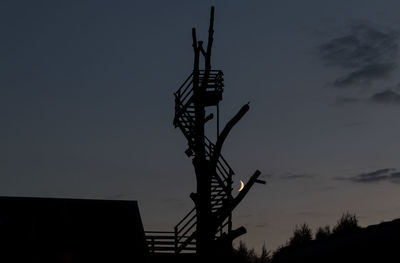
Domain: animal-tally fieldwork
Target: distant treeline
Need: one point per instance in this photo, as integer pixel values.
(301, 237)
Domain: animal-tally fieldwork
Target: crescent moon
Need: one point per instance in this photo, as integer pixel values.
(241, 185)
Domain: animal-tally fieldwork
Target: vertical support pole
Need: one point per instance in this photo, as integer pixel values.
(229, 186)
(199, 161)
(176, 239)
(203, 170)
(217, 120)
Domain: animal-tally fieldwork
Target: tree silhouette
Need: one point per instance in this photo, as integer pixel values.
(348, 223)
(323, 233)
(302, 235)
(242, 254)
(265, 256)
(206, 229)
(301, 239)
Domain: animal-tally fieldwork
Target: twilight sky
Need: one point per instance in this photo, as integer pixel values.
(86, 106)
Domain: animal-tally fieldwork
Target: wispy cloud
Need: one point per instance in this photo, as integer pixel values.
(386, 174)
(296, 176)
(366, 51)
(266, 176)
(365, 75)
(386, 97)
(375, 176)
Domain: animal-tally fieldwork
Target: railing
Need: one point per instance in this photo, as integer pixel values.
(160, 241)
(184, 94)
(184, 229)
(185, 88)
(184, 232)
(222, 165)
(165, 242)
(223, 176)
(215, 80)
(220, 229)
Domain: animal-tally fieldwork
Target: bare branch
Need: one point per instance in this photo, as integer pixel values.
(221, 138)
(210, 40)
(194, 38)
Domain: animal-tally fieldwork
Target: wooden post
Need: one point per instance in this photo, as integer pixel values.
(205, 235)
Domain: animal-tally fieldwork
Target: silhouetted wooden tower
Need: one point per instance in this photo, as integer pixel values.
(207, 227)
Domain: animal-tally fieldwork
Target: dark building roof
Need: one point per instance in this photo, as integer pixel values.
(70, 230)
(375, 243)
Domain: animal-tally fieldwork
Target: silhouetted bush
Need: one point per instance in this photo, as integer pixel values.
(323, 233)
(348, 223)
(280, 251)
(265, 256)
(242, 254)
(302, 235)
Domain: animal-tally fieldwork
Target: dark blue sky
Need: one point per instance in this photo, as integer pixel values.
(86, 106)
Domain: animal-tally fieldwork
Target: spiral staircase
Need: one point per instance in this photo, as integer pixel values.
(183, 238)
